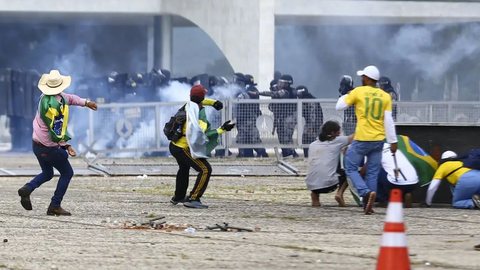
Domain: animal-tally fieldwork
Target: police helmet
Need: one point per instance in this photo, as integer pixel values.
(302, 91)
(285, 81)
(385, 84)
(249, 79)
(346, 85)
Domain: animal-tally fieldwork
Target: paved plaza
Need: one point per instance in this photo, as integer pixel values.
(287, 232)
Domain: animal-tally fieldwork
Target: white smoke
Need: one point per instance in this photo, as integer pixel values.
(77, 63)
(422, 48)
(317, 56)
(175, 91)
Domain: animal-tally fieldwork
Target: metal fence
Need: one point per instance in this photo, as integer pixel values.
(131, 127)
(120, 128)
(123, 129)
(439, 113)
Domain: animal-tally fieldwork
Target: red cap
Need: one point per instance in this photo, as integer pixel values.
(198, 91)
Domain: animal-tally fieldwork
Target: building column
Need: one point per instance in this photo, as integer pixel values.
(166, 42)
(266, 43)
(235, 27)
(159, 44)
(150, 45)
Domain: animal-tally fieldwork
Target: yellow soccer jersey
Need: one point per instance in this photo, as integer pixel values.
(370, 105)
(447, 168)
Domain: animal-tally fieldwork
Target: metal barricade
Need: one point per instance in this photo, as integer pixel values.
(264, 123)
(278, 122)
(132, 127)
(438, 113)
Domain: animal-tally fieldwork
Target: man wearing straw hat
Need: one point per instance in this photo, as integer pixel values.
(50, 138)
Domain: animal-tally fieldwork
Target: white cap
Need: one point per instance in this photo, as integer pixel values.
(449, 154)
(371, 72)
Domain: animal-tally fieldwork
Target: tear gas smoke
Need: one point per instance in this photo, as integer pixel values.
(421, 57)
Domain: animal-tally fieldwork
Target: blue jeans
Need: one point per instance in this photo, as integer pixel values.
(49, 158)
(467, 186)
(356, 153)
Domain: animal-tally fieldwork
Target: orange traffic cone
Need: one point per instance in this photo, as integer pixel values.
(393, 251)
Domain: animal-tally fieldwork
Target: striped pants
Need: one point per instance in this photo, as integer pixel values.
(185, 162)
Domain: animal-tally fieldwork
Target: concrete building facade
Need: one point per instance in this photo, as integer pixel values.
(244, 30)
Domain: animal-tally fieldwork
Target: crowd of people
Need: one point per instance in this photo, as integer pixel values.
(371, 160)
(371, 164)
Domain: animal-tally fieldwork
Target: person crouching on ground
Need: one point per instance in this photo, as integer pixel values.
(192, 150)
(466, 182)
(403, 177)
(323, 163)
(50, 138)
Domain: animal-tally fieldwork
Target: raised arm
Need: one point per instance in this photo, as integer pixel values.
(78, 101)
(341, 103)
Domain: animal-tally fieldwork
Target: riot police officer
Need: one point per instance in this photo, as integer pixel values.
(246, 115)
(386, 85)
(284, 113)
(349, 117)
(313, 115)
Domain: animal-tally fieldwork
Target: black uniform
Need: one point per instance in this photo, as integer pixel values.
(313, 115)
(23, 93)
(349, 117)
(284, 114)
(386, 85)
(246, 115)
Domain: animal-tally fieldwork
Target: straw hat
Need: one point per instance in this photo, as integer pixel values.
(53, 83)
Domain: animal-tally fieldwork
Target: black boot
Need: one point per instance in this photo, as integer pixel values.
(24, 193)
(57, 211)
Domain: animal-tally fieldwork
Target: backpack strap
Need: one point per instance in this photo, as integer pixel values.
(453, 171)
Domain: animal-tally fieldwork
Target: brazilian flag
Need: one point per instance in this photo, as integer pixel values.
(55, 115)
(423, 163)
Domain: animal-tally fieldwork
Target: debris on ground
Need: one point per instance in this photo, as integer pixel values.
(227, 228)
(155, 223)
(190, 230)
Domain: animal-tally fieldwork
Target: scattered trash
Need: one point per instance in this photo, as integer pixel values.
(150, 215)
(227, 228)
(477, 247)
(427, 264)
(143, 176)
(190, 230)
(174, 227)
(5, 240)
(154, 223)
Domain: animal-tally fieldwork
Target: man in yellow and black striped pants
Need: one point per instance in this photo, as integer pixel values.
(180, 149)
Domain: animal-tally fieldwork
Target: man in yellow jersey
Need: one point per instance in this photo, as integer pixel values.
(373, 109)
(466, 182)
(192, 149)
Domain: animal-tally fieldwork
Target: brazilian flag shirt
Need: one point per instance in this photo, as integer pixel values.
(51, 121)
(370, 105)
(54, 114)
